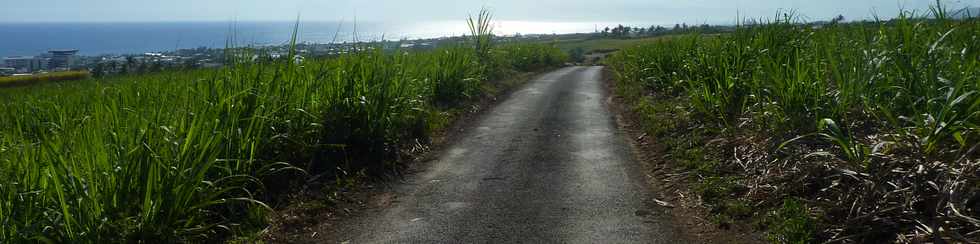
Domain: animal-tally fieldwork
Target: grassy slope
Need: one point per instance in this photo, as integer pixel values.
(858, 132)
(193, 155)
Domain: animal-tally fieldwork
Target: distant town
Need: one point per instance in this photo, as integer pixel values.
(58, 60)
(205, 57)
(54, 60)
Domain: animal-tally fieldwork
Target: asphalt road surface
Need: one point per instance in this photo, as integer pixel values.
(548, 165)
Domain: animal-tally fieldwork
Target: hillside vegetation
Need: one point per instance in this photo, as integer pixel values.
(856, 133)
(194, 156)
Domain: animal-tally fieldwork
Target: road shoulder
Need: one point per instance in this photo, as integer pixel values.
(671, 188)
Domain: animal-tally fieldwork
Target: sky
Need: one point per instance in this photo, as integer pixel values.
(400, 11)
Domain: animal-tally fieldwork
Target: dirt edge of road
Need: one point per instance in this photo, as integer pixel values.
(311, 219)
(665, 178)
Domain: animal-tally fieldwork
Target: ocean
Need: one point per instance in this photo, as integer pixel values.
(27, 39)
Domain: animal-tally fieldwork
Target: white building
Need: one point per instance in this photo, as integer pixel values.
(23, 64)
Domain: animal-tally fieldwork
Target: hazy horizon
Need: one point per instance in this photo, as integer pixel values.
(393, 11)
(137, 26)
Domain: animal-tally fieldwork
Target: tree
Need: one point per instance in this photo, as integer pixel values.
(838, 19)
(187, 64)
(99, 70)
(577, 54)
(141, 68)
(130, 64)
(155, 67)
(618, 31)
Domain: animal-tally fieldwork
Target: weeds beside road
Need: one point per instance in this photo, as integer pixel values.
(860, 132)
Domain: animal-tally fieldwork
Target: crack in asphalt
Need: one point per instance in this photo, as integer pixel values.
(548, 165)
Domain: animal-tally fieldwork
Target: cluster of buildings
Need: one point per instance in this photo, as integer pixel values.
(54, 60)
(202, 57)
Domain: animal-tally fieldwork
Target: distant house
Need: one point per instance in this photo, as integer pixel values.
(7, 71)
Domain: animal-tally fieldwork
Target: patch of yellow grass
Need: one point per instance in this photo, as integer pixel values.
(41, 78)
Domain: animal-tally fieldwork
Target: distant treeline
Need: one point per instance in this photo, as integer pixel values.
(626, 31)
(622, 31)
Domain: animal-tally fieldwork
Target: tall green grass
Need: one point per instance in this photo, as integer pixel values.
(895, 101)
(906, 74)
(189, 156)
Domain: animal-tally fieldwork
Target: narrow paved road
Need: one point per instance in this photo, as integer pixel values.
(548, 165)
